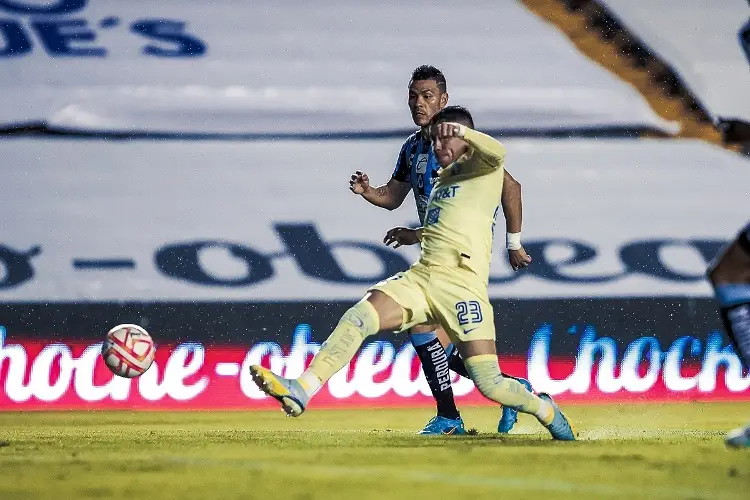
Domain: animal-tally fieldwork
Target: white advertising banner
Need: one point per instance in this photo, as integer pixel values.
(267, 67)
(182, 221)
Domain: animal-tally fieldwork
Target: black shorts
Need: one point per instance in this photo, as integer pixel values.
(744, 239)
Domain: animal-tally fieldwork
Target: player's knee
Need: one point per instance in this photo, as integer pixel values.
(420, 339)
(716, 270)
(485, 373)
(426, 328)
(731, 266)
(725, 272)
(390, 313)
(712, 274)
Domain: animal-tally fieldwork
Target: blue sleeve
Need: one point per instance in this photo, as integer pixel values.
(402, 172)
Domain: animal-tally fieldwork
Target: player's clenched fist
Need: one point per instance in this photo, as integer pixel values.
(518, 259)
(359, 183)
(448, 129)
(401, 236)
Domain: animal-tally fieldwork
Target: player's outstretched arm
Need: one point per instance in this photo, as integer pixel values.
(389, 196)
(511, 201)
(488, 147)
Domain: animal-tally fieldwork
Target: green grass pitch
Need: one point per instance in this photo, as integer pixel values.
(637, 451)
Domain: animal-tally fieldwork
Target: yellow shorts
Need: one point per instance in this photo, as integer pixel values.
(453, 297)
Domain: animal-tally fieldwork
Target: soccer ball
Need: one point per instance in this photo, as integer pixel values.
(128, 351)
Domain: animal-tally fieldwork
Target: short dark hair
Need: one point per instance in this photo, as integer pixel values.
(426, 72)
(457, 114)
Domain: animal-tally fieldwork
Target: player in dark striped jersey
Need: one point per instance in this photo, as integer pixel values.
(730, 277)
(416, 171)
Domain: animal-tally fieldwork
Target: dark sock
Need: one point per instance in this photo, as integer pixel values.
(737, 324)
(456, 363)
(436, 371)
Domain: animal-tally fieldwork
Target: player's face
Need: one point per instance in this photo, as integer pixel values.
(425, 100)
(448, 149)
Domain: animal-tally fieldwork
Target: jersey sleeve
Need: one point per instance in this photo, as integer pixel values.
(402, 172)
(490, 149)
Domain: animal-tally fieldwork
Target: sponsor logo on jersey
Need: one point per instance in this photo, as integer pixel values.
(421, 165)
(447, 192)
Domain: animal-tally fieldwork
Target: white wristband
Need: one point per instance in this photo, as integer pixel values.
(513, 241)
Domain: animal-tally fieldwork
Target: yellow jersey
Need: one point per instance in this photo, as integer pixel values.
(460, 218)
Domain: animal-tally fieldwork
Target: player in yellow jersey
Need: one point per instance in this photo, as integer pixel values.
(448, 285)
(416, 171)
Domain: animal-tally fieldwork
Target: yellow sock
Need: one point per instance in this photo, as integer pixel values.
(485, 373)
(358, 323)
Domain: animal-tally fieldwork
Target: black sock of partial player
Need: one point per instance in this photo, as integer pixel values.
(436, 371)
(736, 320)
(456, 363)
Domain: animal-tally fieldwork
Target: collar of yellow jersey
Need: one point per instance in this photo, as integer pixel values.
(465, 157)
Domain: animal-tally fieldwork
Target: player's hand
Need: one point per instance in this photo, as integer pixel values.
(518, 259)
(448, 129)
(359, 183)
(399, 236)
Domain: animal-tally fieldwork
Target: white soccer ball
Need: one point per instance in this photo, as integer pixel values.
(128, 350)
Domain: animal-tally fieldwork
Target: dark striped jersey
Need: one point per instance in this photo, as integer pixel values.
(416, 165)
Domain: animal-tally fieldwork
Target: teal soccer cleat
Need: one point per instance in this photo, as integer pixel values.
(441, 426)
(509, 417)
(739, 438)
(560, 428)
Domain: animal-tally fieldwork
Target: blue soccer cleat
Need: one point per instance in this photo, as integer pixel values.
(509, 417)
(739, 438)
(287, 392)
(560, 428)
(441, 426)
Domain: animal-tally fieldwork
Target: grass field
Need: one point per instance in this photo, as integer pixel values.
(626, 451)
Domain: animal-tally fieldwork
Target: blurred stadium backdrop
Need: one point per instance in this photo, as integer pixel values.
(183, 166)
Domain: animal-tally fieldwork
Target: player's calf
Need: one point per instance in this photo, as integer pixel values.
(436, 369)
(509, 415)
(455, 362)
(358, 323)
(486, 375)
